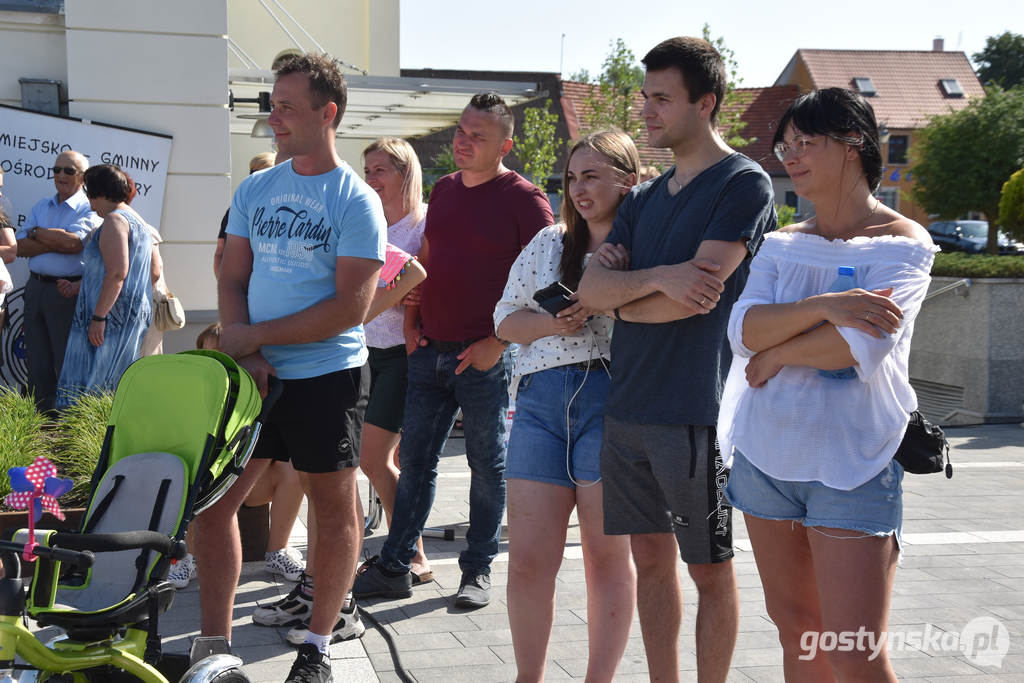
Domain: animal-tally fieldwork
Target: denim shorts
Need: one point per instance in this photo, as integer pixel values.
(545, 441)
(875, 507)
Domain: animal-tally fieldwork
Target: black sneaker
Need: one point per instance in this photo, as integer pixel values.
(311, 666)
(474, 590)
(348, 627)
(291, 610)
(371, 582)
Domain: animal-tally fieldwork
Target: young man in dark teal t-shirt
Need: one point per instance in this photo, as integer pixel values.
(688, 235)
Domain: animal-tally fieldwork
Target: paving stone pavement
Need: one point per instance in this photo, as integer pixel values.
(963, 560)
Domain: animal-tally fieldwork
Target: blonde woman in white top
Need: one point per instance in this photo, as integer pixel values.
(392, 169)
(553, 461)
(814, 444)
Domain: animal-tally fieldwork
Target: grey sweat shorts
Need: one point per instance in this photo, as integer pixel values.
(667, 479)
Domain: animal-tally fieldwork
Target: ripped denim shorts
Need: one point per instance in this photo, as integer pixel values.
(874, 508)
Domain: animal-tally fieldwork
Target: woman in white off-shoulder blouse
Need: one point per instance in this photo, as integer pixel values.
(815, 413)
(553, 461)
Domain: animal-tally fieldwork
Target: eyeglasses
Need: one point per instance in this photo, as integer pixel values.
(801, 143)
(70, 170)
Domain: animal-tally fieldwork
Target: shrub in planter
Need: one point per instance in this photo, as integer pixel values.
(78, 440)
(960, 264)
(21, 434)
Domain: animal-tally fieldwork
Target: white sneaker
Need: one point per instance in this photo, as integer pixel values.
(282, 563)
(182, 572)
(348, 627)
(291, 610)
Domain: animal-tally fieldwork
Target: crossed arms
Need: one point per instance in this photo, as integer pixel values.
(662, 293)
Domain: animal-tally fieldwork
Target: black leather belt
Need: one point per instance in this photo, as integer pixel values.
(595, 364)
(52, 279)
(448, 346)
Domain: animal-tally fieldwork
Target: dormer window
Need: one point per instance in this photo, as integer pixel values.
(864, 86)
(951, 87)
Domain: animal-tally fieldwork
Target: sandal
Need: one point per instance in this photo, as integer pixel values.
(418, 579)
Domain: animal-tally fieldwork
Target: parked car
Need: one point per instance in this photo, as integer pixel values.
(970, 236)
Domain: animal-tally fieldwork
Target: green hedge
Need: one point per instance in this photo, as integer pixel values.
(960, 264)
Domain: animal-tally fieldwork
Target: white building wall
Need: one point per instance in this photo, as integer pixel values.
(362, 33)
(32, 47)
(162, 67)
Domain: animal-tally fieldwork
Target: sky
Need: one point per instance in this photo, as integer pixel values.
(527, 35)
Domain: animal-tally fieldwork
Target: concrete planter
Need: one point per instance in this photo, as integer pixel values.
(967, 357)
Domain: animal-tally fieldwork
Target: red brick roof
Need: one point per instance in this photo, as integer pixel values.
(760, 108)
(907, 81)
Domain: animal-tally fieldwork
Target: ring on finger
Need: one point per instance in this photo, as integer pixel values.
(703, 301)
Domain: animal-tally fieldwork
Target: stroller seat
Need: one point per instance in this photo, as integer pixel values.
(180, 430)
(147, 489)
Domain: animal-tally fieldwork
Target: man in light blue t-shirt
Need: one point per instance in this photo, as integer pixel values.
(305, 243)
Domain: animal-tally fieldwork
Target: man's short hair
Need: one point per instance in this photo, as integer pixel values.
(492, 103)
(326, 83)
(698, 62)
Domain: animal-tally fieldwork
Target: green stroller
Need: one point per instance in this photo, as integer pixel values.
(181, 429)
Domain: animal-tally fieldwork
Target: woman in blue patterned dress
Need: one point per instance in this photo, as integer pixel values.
(115, 296)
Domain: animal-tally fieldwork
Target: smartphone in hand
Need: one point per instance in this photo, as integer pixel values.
(554, 297)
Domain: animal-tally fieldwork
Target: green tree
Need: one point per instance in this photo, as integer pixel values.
(961, 160)
(734, 103)
(785, 214)
(610, 101)
(1011, 205)
(443, 163)
(1001, 62)
(538, 148)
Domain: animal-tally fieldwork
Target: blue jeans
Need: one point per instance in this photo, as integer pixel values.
(434, 395)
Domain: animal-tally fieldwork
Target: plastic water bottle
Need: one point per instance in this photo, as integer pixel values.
(842, 283)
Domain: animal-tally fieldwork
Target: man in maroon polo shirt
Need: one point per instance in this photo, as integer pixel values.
(478, 221)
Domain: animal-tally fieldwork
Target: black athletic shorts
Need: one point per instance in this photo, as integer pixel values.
(317, 423)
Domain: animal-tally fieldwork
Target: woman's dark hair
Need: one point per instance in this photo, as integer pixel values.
(837, 112)
(619, 150)
(110, 182)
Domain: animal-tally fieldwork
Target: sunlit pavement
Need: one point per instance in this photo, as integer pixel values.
(961, 579)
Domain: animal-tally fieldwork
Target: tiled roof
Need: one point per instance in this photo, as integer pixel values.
(760, 107)
(907, 81)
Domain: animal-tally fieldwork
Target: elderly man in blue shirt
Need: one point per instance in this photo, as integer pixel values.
(52, 239)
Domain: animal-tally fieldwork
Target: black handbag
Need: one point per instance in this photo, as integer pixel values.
(924, 449)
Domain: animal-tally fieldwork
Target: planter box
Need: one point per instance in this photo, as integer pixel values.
(18, 519)
(967, 357)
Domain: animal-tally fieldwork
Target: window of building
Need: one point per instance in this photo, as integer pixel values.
(38, 6)
(864, 86)
(898, 148)
(791, 199)
(951, 87)
(890, 196)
